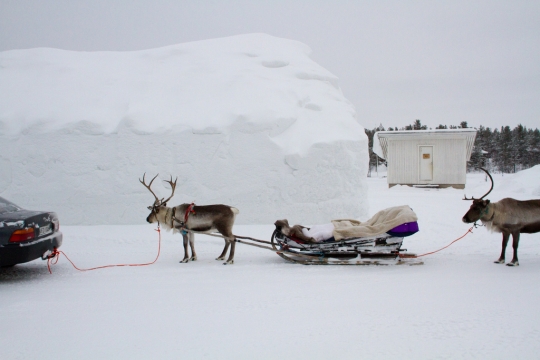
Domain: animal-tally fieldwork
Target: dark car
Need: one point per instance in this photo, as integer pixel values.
(26, 235)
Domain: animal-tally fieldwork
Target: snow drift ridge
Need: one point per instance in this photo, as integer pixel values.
(247, 120)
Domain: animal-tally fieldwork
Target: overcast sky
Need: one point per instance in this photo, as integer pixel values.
(442, 62)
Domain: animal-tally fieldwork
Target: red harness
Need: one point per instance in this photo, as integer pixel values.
(189, 210)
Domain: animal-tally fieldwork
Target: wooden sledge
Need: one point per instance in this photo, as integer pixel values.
(383, 250)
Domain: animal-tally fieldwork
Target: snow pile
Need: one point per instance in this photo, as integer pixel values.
(250, 121)
(523, 185)
(526, 182)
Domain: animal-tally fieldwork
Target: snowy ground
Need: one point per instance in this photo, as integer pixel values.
(457, 305)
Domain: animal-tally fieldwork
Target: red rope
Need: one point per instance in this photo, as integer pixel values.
(53, 258)
(433, 252)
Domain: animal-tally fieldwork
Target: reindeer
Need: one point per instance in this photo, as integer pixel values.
(507, 216)
(208, 219)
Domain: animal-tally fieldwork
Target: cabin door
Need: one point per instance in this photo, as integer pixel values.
(426, 163)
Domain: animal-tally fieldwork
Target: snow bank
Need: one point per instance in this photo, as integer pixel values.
(249, 121)
(523, 185)
(526, 182)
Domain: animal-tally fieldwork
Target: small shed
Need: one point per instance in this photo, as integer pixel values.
(426, 157)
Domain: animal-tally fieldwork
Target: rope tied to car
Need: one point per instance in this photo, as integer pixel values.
(53, 258)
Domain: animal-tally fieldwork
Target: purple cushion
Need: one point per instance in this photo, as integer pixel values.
(406, 229)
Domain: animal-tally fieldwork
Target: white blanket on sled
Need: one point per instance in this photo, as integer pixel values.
(319, 232)
(380, 223)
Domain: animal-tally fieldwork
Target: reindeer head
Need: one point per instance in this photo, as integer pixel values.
(160, 205)
(479, 207)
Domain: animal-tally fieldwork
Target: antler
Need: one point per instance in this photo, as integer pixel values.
(148, 186)
(492, 183)
(173, 187)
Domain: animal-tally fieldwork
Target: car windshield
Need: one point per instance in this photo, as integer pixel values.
(7, 207)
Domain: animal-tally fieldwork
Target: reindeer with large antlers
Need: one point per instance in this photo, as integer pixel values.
(187, 218)
(507, 216)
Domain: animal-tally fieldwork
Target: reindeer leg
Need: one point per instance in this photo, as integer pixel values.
(515, 244)
(224, 252)
(230, 260)
(192, 245)
(226, 231)
(186, 256)
(505, 238)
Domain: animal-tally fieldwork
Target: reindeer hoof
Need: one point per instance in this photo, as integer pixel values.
(184, 261)
(516, 263)
(499, 261)
(221, 258)
(230, 262)
(193, 259)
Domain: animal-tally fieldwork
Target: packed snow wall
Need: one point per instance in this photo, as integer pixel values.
(250, 121)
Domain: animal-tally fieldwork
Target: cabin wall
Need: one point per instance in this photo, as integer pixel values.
(449, 161)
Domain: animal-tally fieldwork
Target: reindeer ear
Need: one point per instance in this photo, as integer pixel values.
(486, 202)
(164, 204)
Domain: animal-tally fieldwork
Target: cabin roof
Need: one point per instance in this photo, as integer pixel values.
(381, 138)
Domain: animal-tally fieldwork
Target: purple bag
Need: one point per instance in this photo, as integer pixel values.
(404, 230)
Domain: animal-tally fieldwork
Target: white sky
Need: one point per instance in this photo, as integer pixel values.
(441, 62)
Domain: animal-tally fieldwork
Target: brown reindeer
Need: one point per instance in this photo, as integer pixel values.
(187, 218)
(507, 216)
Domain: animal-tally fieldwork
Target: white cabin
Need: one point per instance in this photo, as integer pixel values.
(426, 157)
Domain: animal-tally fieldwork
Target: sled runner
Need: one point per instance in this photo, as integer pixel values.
(377, 241)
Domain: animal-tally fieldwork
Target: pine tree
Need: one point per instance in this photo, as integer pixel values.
(478, 158)
(489, 142)
(504, 150)
(418, 125)
(374, 159)
(369, 134)
(494, 148)
(533, 148)
(518, 148)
